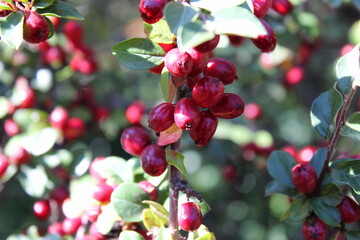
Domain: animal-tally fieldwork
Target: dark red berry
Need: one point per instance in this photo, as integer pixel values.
(192, 80)
(42, 209)
(135, 112)
(150, 189)
(235, 40)
(178, 63)
(161, 117)
(304, 177)
(102, 192)
(314, 229)
(199, 62)
(59, 194)
(230, 106)
(36, 28)
(4, 13)
(189, 216)
(58, 117)
(266, 43)
(349, 209)
(205, 130)
(153, 160)
(261, 7)
(222, 69)
(151, 11)
(252, 111)
(207, 92)
(11, 128)
(4, 164)
(71, 225)
(283, 7)
(134, 140)
(229, 173)
(100, 113)
(208, 46)
(94, 172)
(186, 114)
(74, 128)
(305, 154)
(93, 212)
(19, 156)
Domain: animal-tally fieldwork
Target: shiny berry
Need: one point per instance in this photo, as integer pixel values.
(189, 216)
(71, 225)
(134, 140)
(252, 111)
(261, 7)
(178, 63)
(304, 177)
(199, 62)
(58, 117)
(74, 32)
(11, 127)
(235, 40)
(205, 130)
(36, 28)
(55, 228)
(19, 156)
(283, 7)
(153, 160)
(150, 189)
(349, 209)
(186, 114)
(54, 56)
(208, 46)
(42, 209)
(59, 194)
(4, 164)
(222, 69)
(207, 92)
(161, 117)
(74, 128)
(230, 106)
(135, 112)
(151, 11)
(102, 192)
(314, 229)
(305, 154)
(266, 43)
(94, 172)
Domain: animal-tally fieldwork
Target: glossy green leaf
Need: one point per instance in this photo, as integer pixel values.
(164, 234)
(298, 210)
(115, 168)
(351, 128)
(159, 210)
(14, 143)
(130, 235)
(274, 187)
(347, 70)
(324, 110)
(167, 87)
(331, 194)
(4, 106)
(151, 220)
(347, 171)
(237, 21)
(318, 160)
(176, 159)
(18, 237)
(82, 157)
(202, 233)
(329, 214)
(213, 5)
(33, 180)
(26, 117)
(43, 3)
(62, 10)
(138, 53)
(11, 29)
(4, 6)
(159, 32)
(106, 219)
(279, 166)
(177, 14)
(42, 141)
(127, 200)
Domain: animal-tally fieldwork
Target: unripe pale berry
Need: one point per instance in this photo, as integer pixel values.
(207, 92)
(178, 63)
(205, 130)
(189, 216)
(153, 160)
(134, 140)
(222, 69)
(151, 11)
(36, 28)
(283, 7)
(42, 209)
(161, 117)
(304, 177)
(314, 229)
(199, 62)
(261, 7)
(208, 46)
(230, 106)
(349, 209)
(186, 114)
(4, 164)
(150, 189)
(266, 43)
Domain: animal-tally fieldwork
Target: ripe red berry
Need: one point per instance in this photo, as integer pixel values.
(58, 117)
(74, 32)
(135, 112)
(11, 128)
(27, 97)
(291, 150)
(55, 228)
(208, 46)
(4, 164)
(84, 65)
(102, 192)
(349, 209)
(54, 56)
(207, 92)
(261, 7)
(294, 75)
(283, 7)
(19, 156)
(304, 177)
(134, 140)
(266, 43)
(93, 212)
(167, 46)
(42, 209)
(94, 171)
(192, 80)
(314, 229)
(94, 232)
(199, 62)
(178, 63)
(235, 40)
(305, 154)
(151, 11)
(230, 106)
(59, 194)
(186, 114)
(158, 69)
(36, 28)
(189, 216)
(74, 128)
(71, 225)
(4, 13)
(161, 117)
(229, 173)
(153, 160)
(205, 130)
(252, 111)
(222, 69)
(150, 189)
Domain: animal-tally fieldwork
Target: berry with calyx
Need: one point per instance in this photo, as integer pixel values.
(178, 63)
(252, 111)
(230, 106)
(222, 69)
(161, 117)
(186, 114)
(102, 192)
(305, 154)
(261, 7)
(150, 189)
(58, 117)
(74, 128)
(349, 209)
(42, 209)
(135, 112)
(304, 177)
(208, 91)
(59, 194)
(205, 130)
(266, 43)
(36, 28)
(199, 62)
(4, 164)
(71, 225)
(134, 140)
(19, 156)
(11, 127)
(235, 40)
(208, 46)
(189, 216)
(314, 229)
(283, 7)
(153, 160)
(151, 11)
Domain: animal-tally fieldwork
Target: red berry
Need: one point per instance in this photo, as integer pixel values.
(222, 69)
(4, 164)
(161, 117)
(283, 7)
(74, 33)
(266, 43)
(36, 28)
(4, 13)
(153, 160)
(304, 177)
(94, 232)
(55, 21)
(189, 216)
(346, 49)
(158, 69)
(59, 194)
(54, 56)
(19, 156)
(252, 111)
(186, 114)
(135, 112)
(191, 81)
(93, 169)
(294, 75)
(229, 173)
(179, 64)
(230, 106)
(102, 192)
(84, 65)
(235, 40)
(93, 212)
(291, 150)
(150, 189)
(134, 140)
(305, 154)
(71, 225)
(349, 209)
(207, 92)
(208, 46)
(58, 117)
(205, 130)
(74, 128)
(167, 46)
(11, 128)
(56, 228)
(42, 209)
(101, 113)
(27, 97)
(261, 7)
(314, 229)
(199, 62)
(151, 11)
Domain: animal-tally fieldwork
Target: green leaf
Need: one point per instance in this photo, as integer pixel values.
(127, 200)
(51, 27)
(353, 235)
(26, 117)
(213, 5)
(11, 29)
(324, 110)
(318, 160)
(357, 4)
(329, 214)
(159, 32)
(33, 180)
(347, 171)
(43, 3)
(167, 87)
(237, 21)
(202, 233)
(40, 142)
(351, 128)
(177, 160)
(62, 10)
(138, 53)
(279, 166)
(298, 210)
(106, 219)
(164, 234)
(177, 14)
(18, 237)
(331, 194)
(274, 187)
(193, 34)
(159, 210)
(4, 6)
(347, 70)
(4, 106)
(130, 235)
(151, 220)
(14, 143)
(115, 168)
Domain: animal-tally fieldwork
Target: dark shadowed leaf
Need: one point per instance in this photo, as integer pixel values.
(318, 160)
(62, 10)
(329, 214)
(279, 166)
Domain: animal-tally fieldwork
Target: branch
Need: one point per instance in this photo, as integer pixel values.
(174, 175)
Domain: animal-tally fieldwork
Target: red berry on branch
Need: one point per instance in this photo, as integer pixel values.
(294, 75)
(283, 7)
(261, 7)
(151, 11)
(153, 160)
(4, 164)
(161, 117)
(54, 56)
(74, 128)
(349, 209)
(314, 229)
(230, 106)
(19, 156)
(199, 62)
(42, 209)
(205, 130)
(186, 114)
(266, 43)
(208, 46)
(59, 194)
(4, 13)
(189, 216)
(11, 127)
(192, 80)
(304, 177)
(222, 69)
(93, 212)
(102, 192)
(71, 225)
(235, 40)
(58, 117)
(305, 154)
(74, 32)
(135, 112)
(178, 63)
(56, 228)
(150, 189)
(134, 140)
(36, 28)
(207, 92)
